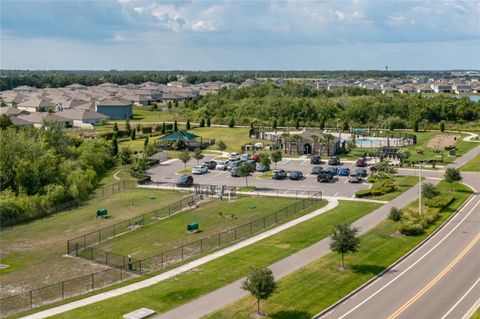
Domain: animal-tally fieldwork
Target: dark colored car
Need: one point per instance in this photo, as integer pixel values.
(332, 170)
(233, 164)
(210, 164)
(316, 170)
(334, 160)
(255, 157)
(251, 162)
(343, 172)
(234, 171)
(295, 175)
(262, 168)
(362, 172)
(324, 177)
(361, 162)
(315, 159)
(279, 174)
(185, 181)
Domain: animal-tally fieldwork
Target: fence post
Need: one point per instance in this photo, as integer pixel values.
(140, 263)
(121, 273)
(235, 233)
(114, 229)
(93, 284)
(84, 241)
(91, 253)
(182, 252)
(162, 260)
(218, 239)
(251, 228)
(296, 194)
(106, 258)
(99, 240)
(201, 245)
(63, 291)
(275, 217)
(264, 221)
(31, 300)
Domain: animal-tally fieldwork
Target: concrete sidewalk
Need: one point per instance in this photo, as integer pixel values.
(232, 292)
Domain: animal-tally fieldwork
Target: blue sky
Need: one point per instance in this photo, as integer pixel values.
(216, 35)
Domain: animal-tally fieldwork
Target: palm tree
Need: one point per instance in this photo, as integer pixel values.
(285, 138)
(315, 139)
(327, 139)
(296, 138)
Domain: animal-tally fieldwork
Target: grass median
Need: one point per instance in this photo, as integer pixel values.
(473, 165)
(318, 285)
(218, 273)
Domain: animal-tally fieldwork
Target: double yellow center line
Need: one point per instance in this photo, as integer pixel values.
(435, 280)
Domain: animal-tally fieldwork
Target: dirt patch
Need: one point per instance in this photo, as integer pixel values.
(441, 142)
(4, 266)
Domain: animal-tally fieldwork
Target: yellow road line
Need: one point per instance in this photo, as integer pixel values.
(435, 280)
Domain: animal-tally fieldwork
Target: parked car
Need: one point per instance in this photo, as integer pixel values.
(185, 181)
(295, 175)
(279, 174)
(255, 157)
(251, 162)
(343, 172)
(198, 170)
(324, 177)
(332, 170)
(361, 162)
(354, 178)
(222, 165)
(210, 164)
(362, 172)
(334, 160)
(315, 159)
(234, 156)
(316, 170)
(262, 168)
(244, 157)
(234, 171)
(233, 164)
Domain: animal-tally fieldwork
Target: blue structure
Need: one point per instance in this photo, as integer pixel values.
(115, 109)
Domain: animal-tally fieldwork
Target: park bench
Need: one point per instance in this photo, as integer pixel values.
(139, 314)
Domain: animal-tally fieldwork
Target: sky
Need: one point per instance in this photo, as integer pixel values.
(240, 35)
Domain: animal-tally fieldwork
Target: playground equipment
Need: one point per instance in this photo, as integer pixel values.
(193, 227)
(102, 213)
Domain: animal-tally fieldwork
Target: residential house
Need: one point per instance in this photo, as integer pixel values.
(39, 118)
(36, 105)
(24, 89)
(460, 88)
(11, 111)
(442, 87)
(115, 108)
(80, 117)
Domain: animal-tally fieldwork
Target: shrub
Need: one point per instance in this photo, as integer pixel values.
(440, 201)
(363, 193)
(146, 129)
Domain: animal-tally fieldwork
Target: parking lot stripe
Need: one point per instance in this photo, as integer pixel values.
(336, 194)
(219, 174)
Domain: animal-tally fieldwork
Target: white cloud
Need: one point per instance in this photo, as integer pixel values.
(397, 19)
(340, 15)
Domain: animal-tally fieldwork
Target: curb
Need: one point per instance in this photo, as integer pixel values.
(339, 302)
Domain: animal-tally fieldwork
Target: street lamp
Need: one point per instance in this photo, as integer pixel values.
(420, 183)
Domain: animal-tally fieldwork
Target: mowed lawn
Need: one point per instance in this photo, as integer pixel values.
(213, 217)
(318, 285)
(473, 165)
(402, 184)
(234, 138)
(33, 250)
(190, 285)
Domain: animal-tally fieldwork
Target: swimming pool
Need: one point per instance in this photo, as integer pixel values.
(366, 143)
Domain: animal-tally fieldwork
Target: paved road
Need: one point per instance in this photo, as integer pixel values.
(232, 292)
(339, 187)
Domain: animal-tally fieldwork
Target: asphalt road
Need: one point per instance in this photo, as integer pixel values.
(338, 188)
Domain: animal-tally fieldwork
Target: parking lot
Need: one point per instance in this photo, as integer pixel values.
(339, 187)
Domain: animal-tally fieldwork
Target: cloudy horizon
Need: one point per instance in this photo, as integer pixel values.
(240, 35)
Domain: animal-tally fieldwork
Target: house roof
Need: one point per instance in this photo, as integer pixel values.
(183, 136)
(40, 117)
(114, 102)
(36, 103)
(11, 111)
(79, 114)
(19, 122)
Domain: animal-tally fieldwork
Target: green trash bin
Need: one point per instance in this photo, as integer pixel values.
(102, 213)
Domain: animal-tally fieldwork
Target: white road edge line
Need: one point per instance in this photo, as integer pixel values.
(472, 310)
(411, 266)
(460, 300)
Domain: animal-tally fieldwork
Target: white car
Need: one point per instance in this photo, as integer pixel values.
(198, 170)
(234, 156)
(244, 157)
(354, 178)
(222, 165)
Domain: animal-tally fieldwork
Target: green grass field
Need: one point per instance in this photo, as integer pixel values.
(476, 315)
(318, 285)
(32, 250)
(402, 184)
(171, 232)
(213, 275)
(473, 165)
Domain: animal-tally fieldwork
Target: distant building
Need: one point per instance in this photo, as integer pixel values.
(24, 89)
(442, 87)
(462, 88)
(39, 118)
(114, 108)
(80, 117)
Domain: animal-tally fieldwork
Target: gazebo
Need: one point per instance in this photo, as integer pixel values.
(186, 140)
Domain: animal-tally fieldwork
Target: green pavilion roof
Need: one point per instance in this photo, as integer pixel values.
(183, 136)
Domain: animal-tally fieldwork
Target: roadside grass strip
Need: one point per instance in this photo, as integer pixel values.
(315, 287)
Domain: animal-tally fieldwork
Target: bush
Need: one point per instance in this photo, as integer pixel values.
(440, 201)
(146, 130)
(363, 193)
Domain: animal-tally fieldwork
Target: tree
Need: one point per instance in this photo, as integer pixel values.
(394, 215)
(274, 123)
(5, 121)
(127, 125)
(115, 127)
(114, 146)
(125, 155)
(184, 157)
(221, 146)
(327, 139)
(415, 126)
(202, 123)
(169, 105)
(175, 103)
(315, 139)
(297, 124)
(245, 170)
(260, 283)
(345, 126)
(344, 240)
(145, 143)
(231, 122)
(209, 123)
(264, 159)
(175, 126)
(276, 157)
(429, 191)
(321, 124)
(132, 135)
(442, 126)
(139, 128)
(188, 125)
(198, 155)
(452, 175)
(164, 129)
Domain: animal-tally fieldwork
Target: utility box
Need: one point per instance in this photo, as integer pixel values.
(192, 227)
(102, 213)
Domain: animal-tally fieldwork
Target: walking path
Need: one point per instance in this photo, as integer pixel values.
(332, 203)
(232, 292)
